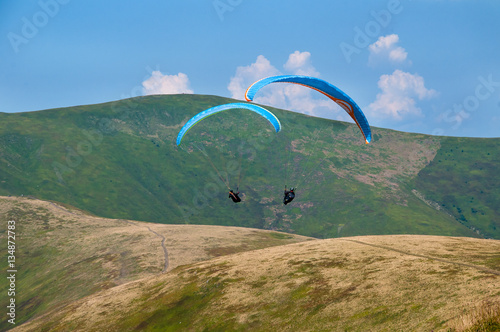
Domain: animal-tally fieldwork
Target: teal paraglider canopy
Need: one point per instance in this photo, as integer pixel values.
(329, 90)
(225, 107)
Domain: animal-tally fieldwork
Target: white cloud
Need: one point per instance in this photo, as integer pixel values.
(246, 75)
(397, 99)
(159, 84)
(398, 54)
(385, 48)
(282, 95)
(384, 43)
(296, 98)
(299, 64)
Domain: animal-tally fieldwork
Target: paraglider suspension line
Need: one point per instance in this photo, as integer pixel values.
(213, 166)
(287, 165)
(309, 168)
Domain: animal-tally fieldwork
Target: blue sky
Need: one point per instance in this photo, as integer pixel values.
(428, 66)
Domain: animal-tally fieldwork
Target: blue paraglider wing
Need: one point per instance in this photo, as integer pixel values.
(325, 88)
(206, 113)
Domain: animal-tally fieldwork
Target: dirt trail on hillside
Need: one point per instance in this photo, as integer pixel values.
(165, 252)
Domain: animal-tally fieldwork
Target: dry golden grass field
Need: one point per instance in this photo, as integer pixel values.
(63, 254)
(261, 281)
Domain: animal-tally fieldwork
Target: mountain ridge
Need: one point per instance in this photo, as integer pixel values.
(119, 160)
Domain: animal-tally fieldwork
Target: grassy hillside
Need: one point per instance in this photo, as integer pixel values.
(371, 283)
(119, 160)
(464, 178)
(63, 254)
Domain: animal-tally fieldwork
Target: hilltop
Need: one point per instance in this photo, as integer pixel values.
(364, 283)
(119, 160)
(81, 272)
(64, 254)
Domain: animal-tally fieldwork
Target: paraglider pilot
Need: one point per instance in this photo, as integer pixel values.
(289, 196)
(234, 196)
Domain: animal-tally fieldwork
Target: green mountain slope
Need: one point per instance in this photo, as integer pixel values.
(464, 178)
(120, 160)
